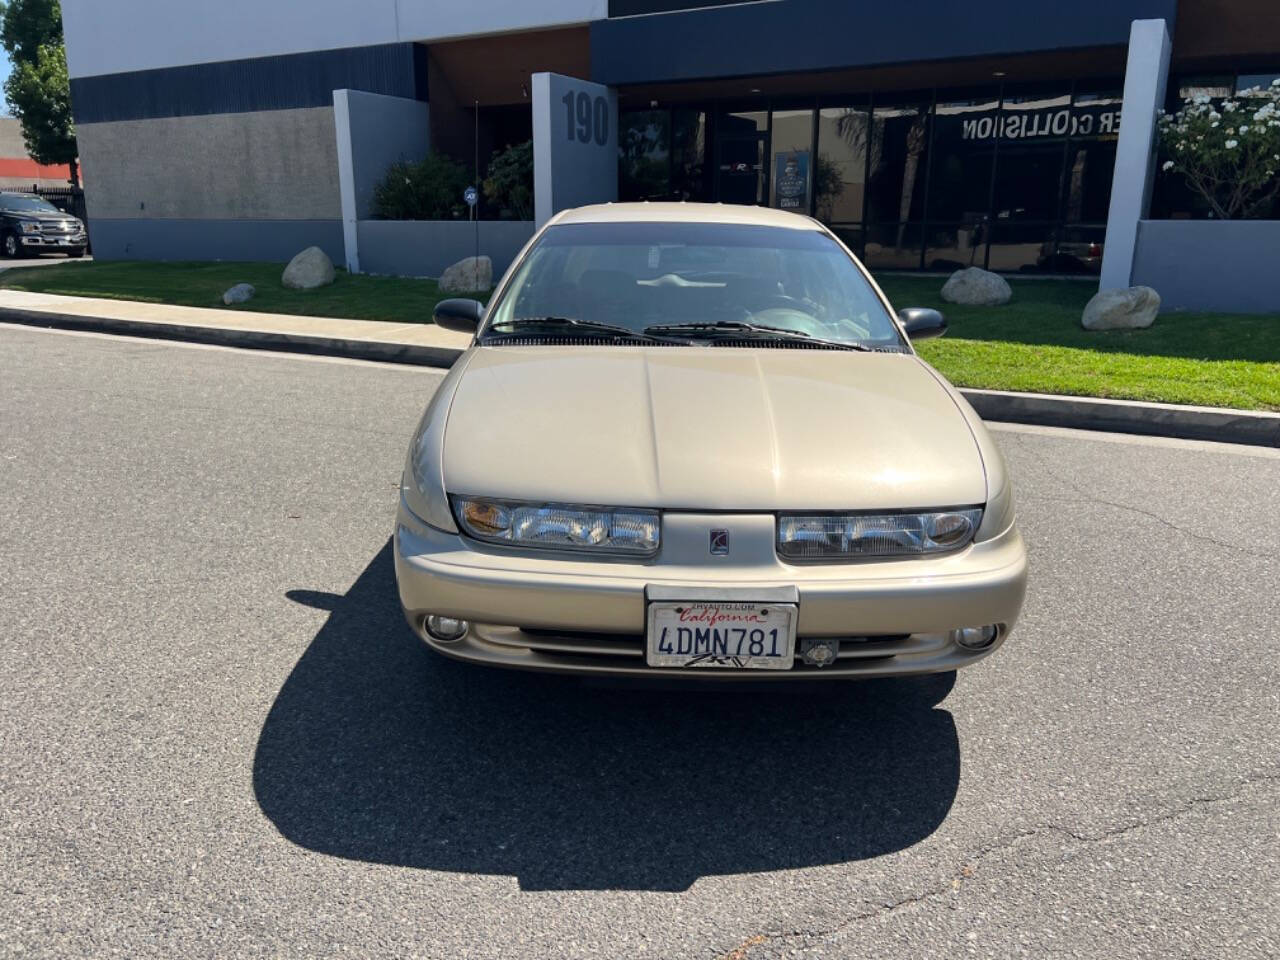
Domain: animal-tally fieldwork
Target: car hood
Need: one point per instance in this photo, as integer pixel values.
(709, 428)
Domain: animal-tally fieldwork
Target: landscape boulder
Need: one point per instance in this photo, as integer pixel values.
(976, 287)
(240, 293)
(310, 269)
(468, 275)
(1129, 308)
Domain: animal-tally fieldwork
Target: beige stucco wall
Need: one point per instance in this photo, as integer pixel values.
(274, 164)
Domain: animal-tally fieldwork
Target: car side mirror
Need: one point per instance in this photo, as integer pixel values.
(458, 314)
(921, 323)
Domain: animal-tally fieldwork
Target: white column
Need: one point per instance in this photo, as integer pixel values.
(347, 179)
(1145, 76)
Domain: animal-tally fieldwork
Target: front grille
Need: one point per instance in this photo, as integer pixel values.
(576, 643)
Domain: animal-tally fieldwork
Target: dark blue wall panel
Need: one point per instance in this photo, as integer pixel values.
(272, 241)
(242, 86)
(755, 39)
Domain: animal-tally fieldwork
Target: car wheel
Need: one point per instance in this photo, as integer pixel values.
(11, 246)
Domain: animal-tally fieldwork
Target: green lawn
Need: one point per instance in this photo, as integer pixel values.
(1036, 344)
(202, 285)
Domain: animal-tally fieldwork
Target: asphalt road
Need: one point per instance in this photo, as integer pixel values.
(218, 739)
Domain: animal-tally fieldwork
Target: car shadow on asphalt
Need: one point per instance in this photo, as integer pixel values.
(378, 749)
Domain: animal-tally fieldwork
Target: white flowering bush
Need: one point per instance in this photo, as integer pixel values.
(1229, 152)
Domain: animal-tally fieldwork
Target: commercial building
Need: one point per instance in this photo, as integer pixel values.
(1001, 133)
(18, 171)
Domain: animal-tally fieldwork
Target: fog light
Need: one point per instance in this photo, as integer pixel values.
(819, 653)
(974, 638)
(445, 629)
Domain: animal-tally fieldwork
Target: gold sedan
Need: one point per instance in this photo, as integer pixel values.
(693, 440)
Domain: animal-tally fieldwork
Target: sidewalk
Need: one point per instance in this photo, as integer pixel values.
(428, 345)
(364, 339)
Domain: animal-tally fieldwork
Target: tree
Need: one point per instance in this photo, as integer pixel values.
(1229, 153)
(509, 186)
(38, 90)
(428, 189)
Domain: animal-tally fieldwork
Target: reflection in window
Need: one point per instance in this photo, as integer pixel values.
(1020, 246)
(1091, 156)
(1256, 81)
(899, 143)
(644, 155)
(964, 137)
(1205, 86)
(743, 123)
(841, 170)
(791, 182)
(953, 246)
(688, 154)
(1029, 170)
(893, 246)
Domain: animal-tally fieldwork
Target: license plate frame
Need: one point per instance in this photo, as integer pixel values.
(702, 634)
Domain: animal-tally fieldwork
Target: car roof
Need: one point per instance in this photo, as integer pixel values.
(647, 212)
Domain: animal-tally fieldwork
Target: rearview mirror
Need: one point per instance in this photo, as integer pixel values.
(921, 323)
(459, 314)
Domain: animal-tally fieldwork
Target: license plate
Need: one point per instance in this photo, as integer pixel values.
(736, 635)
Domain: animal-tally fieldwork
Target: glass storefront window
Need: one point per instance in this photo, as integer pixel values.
(743, 123)
(1256, 81)
(791, 182)
(1091, 156)
(741, 141)
(964, 138)
(1034, 128)
(893, 246)
(899, 155)
(1021, 246)
(644, 155)
(841, 170)
(956, 245)
(688, 155)
(1205, 86)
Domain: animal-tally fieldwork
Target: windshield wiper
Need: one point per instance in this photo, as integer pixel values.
(739, 327)
(585, 326)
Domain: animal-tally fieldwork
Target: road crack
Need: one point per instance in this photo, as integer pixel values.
(969, 865)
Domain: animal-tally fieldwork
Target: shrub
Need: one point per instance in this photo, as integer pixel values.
(509, 186)
(1228, 153)
(428, 189)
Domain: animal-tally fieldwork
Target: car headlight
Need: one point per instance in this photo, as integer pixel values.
(559, 526)
(832, 537)
(26, 226)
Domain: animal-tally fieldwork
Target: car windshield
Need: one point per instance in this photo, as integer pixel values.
(692, 281)
(27, 205)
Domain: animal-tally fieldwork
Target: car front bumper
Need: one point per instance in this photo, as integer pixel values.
(571, 615)
(56, 241)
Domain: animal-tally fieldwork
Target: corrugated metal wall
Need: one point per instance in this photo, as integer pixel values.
(245, 86)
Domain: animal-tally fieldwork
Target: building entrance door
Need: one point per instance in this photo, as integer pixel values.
(742, 169)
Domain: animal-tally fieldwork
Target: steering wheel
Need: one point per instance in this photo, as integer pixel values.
(780, 301)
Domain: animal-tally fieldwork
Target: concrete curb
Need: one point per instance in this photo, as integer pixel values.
(381, 350)
(1082, 413)
(1255, 428)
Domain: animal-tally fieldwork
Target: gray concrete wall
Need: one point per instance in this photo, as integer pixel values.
(383, 130)
(242, 166)
(1220, 265)
(423, 248)
(266, 240)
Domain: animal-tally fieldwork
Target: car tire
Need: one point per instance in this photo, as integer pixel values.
(11, 246)
(75, 254)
